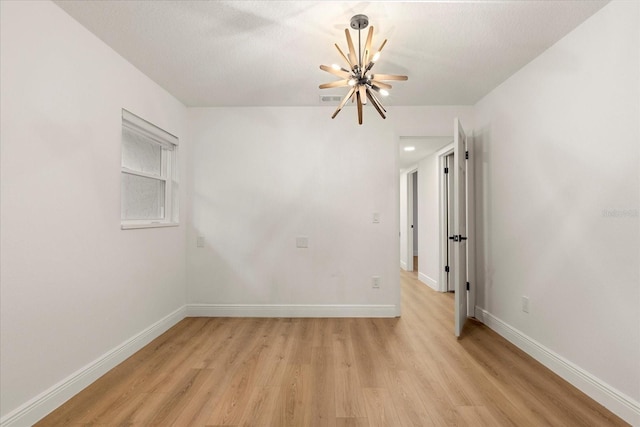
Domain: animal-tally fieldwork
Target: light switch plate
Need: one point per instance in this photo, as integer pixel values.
(302, 242)
(375, 282)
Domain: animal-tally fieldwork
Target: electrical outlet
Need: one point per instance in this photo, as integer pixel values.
(375, 282)
(376, 217)
(200, 242)
(525, 304)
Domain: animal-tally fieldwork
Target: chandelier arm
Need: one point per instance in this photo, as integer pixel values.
(377, 101)
(338, 83)
(382, 45)
(339, 73)
(367, 46)
(363, 94)
(369, 66)
(359, 107)
(375, 57)
(344, 101)
(375, 104)
(381, 85)
(352, 50)
(388, 77)
(344, 56)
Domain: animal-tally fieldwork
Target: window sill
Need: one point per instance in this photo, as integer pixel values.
(132, 226)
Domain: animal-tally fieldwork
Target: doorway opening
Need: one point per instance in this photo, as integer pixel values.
(411, 262)
(436, 197)
(419, 206)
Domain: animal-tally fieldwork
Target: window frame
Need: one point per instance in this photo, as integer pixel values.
(168, 144)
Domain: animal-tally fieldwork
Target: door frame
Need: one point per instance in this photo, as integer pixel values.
(409, 229)
(442, 213)
(471, 242)
(471, 229)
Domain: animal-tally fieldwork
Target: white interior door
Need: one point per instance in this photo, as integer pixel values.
(459, 226)
(410, 219)
(416, 214)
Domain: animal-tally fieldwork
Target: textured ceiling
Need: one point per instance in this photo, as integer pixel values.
(259, 53)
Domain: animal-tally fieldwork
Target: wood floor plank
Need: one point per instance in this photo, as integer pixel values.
(294, 397)
(349, 400)
(261, 407)
(172, 405)
(322, 408)
(409, 371)
(430, 393)
(406, 398)
(352, 422)
(380, 410)
(365, 357)
(224, 363)
(233, 402)
(475, 416)
(273, 361)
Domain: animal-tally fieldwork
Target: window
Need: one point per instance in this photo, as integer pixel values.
(149, 191)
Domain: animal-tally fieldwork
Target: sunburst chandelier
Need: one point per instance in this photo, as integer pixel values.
(363, 84)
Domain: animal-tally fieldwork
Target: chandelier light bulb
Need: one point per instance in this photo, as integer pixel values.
(376, 57)
(335, 66)
(352, 82)
(384, 92)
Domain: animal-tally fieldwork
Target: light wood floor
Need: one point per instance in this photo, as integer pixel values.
(410, 371)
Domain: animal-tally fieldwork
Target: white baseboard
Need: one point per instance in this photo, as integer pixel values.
(617, 402)
(403, 265)
(44, 403)
(291, 310)
(432, 283)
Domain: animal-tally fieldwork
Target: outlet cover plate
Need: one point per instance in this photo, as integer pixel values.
(302, 242)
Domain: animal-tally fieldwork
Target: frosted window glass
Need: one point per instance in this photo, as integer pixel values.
(142, 198)
(140, 154)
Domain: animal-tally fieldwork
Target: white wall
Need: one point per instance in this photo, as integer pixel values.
(74, 286)
(295, 172)
(429, 232)
(557, 148)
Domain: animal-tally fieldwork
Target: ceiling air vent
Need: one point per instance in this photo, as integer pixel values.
(330, 99)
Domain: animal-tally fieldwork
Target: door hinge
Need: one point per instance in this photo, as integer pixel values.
(446, 170)
(467, 285)
(466, 154)
(446, 268)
